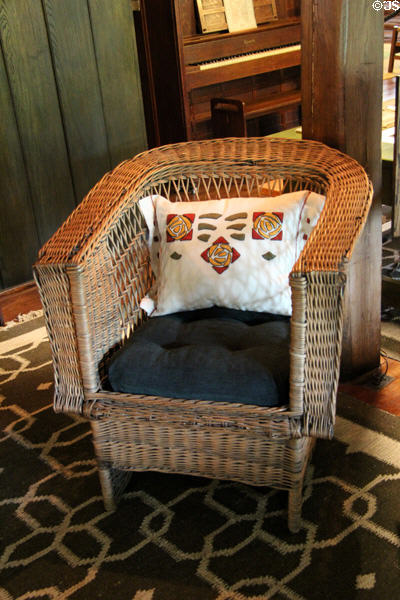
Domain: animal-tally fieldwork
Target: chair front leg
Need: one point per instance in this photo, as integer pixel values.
(113, 483)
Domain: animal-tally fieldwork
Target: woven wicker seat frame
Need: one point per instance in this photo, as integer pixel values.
(94, 271)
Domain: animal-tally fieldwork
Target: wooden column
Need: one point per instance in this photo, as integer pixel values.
(342, 63)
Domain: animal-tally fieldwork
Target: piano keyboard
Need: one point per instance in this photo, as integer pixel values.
(233, 60)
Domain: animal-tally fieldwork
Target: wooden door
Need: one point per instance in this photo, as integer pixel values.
(71, 109)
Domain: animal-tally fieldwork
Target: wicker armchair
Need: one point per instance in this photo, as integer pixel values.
(94, 271)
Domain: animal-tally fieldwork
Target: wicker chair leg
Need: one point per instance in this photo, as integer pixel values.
(294, 508)
(302, 452)
(113, 483)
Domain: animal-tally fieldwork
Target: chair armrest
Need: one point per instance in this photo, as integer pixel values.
(348, 200)
(318, 281)
(91, 277)
(316, 340)
(89, 309)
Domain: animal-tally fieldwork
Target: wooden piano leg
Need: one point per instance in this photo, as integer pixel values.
(228, 118)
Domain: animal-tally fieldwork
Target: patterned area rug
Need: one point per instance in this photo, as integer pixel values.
(176, 537)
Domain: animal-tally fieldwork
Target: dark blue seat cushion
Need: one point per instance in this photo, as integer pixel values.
(214, 354)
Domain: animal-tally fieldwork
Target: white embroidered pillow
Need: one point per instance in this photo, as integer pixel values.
(235, 252)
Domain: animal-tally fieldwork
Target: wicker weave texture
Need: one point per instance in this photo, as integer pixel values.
(54, 288)
(223, 454)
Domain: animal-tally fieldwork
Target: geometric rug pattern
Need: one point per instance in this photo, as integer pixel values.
(177, 537)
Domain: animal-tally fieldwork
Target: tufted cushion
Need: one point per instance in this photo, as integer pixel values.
(214, 354)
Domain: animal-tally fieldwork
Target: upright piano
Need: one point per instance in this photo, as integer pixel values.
(182, 69)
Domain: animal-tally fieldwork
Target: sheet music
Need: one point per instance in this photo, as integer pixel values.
(240, 14)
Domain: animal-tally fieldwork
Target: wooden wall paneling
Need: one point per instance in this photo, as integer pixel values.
(31, 79)
(146, 76)
(164, 69)
(75, 68)
(18, 238)
(115, 47)
(342, 58)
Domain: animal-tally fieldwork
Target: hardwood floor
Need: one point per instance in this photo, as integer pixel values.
(393, 22)
(386, 398)
(19, 300)
(389, 89)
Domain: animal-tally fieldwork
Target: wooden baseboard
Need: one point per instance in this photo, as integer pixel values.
(20, 299)
(17, 289)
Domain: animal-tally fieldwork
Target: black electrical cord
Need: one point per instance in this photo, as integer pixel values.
(386, 356)
(380, 376)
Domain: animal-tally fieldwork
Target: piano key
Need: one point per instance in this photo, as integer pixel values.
(255, 63)
(249, 56)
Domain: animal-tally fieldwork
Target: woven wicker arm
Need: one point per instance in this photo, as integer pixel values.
(94, 271)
